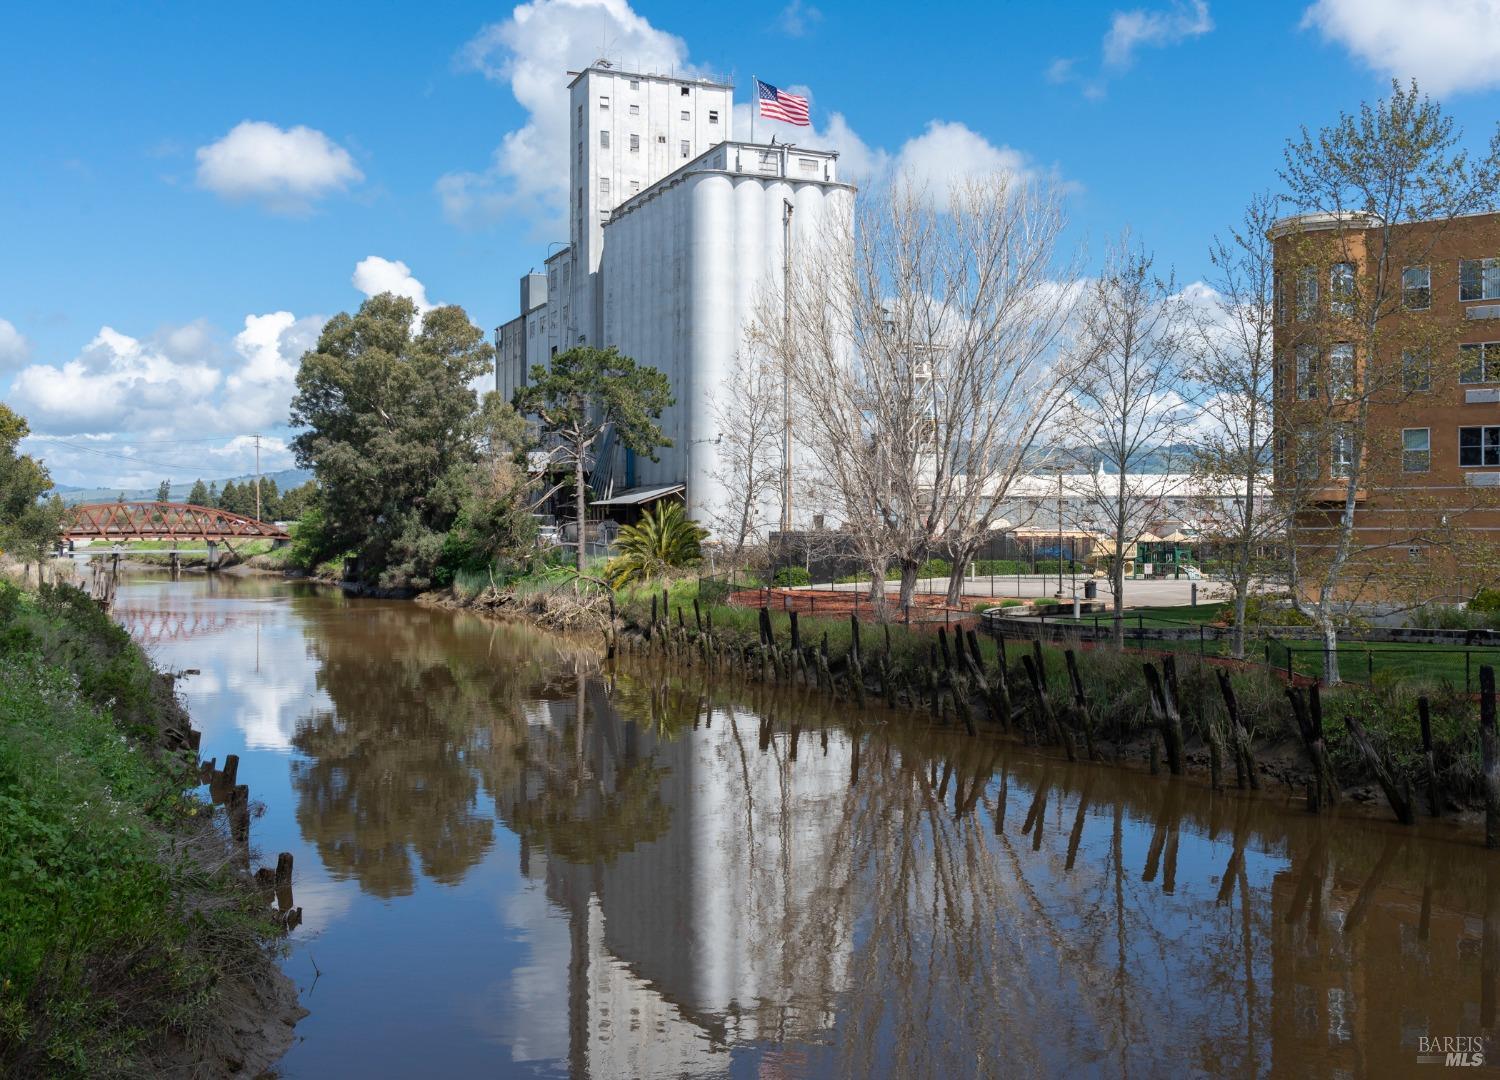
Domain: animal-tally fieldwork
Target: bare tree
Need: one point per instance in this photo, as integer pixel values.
(1388, 182)
(1233, 349)
(921, 363)
(750, 422)
(1127, 409)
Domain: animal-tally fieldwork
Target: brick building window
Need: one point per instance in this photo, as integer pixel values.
(1278, 296)
(1416, 449)
(1478, 446)
(1479, 363)
(1341, 371)
(1307, 457)
(1416, 371)
(1307, 372)
(1341, 453)
(1307, 292)
(1479, 279)
(1341, 288)
(1416, 288)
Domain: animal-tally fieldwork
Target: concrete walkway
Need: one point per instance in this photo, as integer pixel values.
(1143, 592)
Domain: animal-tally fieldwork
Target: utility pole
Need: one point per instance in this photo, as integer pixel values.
(786, 366)
(257, 477)
(1059, 532)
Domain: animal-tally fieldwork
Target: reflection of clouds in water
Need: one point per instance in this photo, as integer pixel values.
(529, 1011)
(270, 708)
(322, 903)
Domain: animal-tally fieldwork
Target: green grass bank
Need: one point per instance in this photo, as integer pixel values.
(133, 941)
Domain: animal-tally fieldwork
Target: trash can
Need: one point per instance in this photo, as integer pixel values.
(1090, 590)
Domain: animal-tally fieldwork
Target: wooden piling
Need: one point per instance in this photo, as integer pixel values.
(231, 770)
(1434, 795)
(1490, 746)
(1244, 758)
(1163, 694)
(1397, 791)
(284, 869)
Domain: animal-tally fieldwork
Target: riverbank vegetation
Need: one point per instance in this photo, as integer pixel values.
(129, 934)
(1100, 703)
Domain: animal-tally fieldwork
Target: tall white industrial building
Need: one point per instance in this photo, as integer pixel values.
(674, 228)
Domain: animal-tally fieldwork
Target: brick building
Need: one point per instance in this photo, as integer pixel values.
(1400, 424)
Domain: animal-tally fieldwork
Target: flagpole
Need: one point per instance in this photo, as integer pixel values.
(754, 106)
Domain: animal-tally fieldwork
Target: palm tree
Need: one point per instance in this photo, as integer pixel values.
(661, 541)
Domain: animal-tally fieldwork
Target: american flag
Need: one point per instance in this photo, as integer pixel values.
(779, 105)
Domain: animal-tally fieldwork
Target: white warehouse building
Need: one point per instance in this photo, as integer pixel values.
(675, 228)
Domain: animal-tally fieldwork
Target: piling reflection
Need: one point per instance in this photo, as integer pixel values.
(710, 872)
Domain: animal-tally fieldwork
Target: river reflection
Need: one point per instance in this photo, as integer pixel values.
(514, 863)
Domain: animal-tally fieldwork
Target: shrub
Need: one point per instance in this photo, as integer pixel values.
(663, 540)
(1486, 600)
(996, 567)
(789, 576)
(1011, 603)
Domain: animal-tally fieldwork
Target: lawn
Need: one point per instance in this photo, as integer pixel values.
(1389, 661)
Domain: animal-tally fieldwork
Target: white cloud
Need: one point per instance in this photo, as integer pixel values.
(543, 39)
(126, 411)
(374, 275)
(947, 152)
(284, 170)
(531, 51)
(117, 414)
(1447, 45)
(1129, 30)
(14, 348)
(798, 19)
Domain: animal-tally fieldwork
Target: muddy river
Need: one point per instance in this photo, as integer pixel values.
(512, 864)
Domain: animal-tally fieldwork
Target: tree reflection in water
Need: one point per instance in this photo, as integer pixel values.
(881, 900)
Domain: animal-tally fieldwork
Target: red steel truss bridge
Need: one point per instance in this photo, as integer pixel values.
(152, 626)
(120, 522)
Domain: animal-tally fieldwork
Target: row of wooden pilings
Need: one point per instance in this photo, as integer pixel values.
(225, 790)
(957, 677)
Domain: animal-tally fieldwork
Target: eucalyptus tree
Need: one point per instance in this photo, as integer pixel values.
(390, 426)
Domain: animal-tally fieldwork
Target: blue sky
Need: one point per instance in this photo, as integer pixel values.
(171, 171)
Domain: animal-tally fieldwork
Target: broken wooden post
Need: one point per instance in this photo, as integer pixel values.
(1434, 796)
(1491, 754)
(1038, 677)
(283, 869)
(1244, 758)
(1397, 791)
(1080, 702)
(1323, 790)
(697, 615)
(943, 644)
(1162, 692)
(231, 770)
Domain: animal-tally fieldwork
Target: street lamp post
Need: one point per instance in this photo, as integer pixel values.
(1059, 593)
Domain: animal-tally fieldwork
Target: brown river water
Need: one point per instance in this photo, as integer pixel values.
(512, 864)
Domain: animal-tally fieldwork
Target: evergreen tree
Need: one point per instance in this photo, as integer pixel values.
(391, 425)
(164, 491)
(199, 496)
